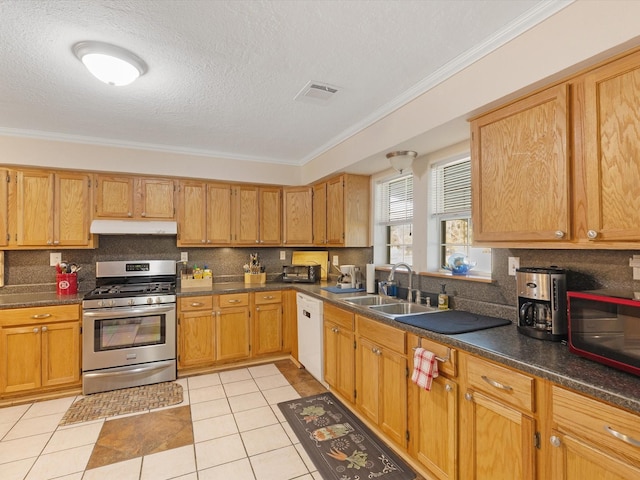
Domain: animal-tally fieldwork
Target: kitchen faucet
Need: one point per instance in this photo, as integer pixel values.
(408, 267)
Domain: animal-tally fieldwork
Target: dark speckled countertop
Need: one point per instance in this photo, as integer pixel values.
(505, 345)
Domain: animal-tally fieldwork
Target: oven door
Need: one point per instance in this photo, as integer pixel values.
(122, 336)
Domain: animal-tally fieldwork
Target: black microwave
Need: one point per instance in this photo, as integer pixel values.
(604, 325)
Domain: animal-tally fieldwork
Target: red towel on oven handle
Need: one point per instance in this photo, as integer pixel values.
(425, 368)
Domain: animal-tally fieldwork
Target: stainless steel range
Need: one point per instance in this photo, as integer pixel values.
(129, 325)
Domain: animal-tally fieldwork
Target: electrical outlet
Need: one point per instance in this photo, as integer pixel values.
(283, 255)
(184, 256)
(55, 259)
(514, 263)
(335, 260)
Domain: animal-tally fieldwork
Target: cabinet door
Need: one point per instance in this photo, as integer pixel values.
(196, 338)
(60, 353)
(520, 166)
(4, 207)
(612, 150)
(268, 329)
(339, 370)
(232, 333)
(368, 379)
(155, 199)
(320, 214)
(21, 353)
(114, 197)
(393, 395)
(297, 216)
(432, 411)
(270, 216)
(72, 209)
(573, 459)
(218, 214)
(35, 192)
(245, 208)
(335, 211)
(192, 213)
(499, 441)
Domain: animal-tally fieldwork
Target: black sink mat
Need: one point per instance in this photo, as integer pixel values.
(452, 322)
(340, 446)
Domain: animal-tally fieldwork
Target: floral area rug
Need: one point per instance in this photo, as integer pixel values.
(341, 446)
(123, 401)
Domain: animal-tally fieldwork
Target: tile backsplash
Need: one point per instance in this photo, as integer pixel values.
(26, 271)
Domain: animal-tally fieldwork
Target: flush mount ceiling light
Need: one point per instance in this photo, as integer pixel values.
(401, 160)
(110, 64)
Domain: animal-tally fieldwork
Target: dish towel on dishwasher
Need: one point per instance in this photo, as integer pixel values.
(425, 368)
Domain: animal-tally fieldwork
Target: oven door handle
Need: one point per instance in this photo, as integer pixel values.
(130, 371)
(127, 312)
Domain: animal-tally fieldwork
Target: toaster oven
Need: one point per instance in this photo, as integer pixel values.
(301, 273)
(604, 326)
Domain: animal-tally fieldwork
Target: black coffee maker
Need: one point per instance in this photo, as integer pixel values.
(542, 302)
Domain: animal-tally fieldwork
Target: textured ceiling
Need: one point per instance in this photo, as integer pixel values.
(223, 74)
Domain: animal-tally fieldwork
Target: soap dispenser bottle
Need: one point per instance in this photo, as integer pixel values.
(443, 298)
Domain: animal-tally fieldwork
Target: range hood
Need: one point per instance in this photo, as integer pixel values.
(133, 227)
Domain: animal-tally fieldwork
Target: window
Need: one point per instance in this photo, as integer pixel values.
(394, 213)
(451, 200)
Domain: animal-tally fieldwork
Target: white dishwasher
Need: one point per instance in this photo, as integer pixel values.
(310, 335)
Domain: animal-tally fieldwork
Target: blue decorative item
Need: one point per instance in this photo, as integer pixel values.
(459, 264)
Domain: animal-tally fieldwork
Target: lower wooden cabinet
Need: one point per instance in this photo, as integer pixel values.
(232, 327)
(39, 347)
(267, 323)
(196, 332)
(339, 351)
(381, 377)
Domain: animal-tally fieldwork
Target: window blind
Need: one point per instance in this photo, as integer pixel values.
(395, 201)
(451, 188)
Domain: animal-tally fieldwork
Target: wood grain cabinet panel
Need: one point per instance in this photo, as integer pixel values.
(233, 326)
(339, 351)
(267, 323)
(5, 179)
(257, 215)
(196, 332)
(298, 221)
(204, 214)
(127, 197)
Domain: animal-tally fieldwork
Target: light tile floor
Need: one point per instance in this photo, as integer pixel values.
(238, 431)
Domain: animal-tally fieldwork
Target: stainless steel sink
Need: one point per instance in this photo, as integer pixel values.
(394, 310)
(369, 300)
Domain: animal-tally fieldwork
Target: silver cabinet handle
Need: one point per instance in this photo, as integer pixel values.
(129, 214)
(40, 316)
(555, 441)
(44, 329)
(143, 214)
(448, 387)
(36, 330)
(622, 436)
(235, 300)
(268, 297)
(468, 396)
(495, 384)
(592, 234)
(257, 309)
(196, 304)
(559, 234)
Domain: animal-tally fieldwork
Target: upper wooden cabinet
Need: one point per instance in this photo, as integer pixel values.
(4, 207)
(204, 213)
(257, 214)
(612, 151)
(128, 197)
(520, 167)
(297, 208)
(344, 212)
(49, 208)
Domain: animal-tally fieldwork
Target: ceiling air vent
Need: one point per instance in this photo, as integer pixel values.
(316, 92)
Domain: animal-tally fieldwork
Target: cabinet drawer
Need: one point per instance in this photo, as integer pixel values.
(382, 334)
(447, 356)
(610, 427)
(190, 304)
(263, 298)
(39, 315)
(338, 316)
(512, 387)
(233, 300)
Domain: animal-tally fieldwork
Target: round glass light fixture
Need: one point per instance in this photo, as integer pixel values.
(110, 64)
(402, 160)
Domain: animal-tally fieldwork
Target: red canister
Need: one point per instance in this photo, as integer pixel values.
(66, 283)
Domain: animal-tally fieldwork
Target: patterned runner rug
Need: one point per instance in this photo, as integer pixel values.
(120, 402)
(341, 446)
